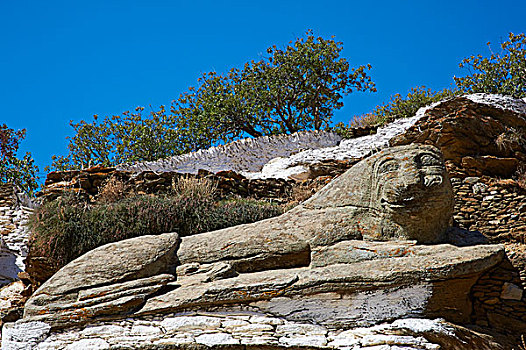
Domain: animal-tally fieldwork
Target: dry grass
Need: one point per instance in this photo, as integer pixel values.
(113, 190)
(193, 187)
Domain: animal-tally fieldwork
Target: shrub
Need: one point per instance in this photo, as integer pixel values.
(66, 228)
(402, 107)
(239, 211)
(113, 190)
(500, 73)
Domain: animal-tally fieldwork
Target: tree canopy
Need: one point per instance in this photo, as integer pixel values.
(501, 73)
(21, 172)
(131, 136)
(297, 87)
(291, 89)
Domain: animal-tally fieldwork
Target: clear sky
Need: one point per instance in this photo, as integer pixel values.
(68, 60)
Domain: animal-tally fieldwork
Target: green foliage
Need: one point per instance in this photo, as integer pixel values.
(500, 73)
(294, 88)
(21, 172)
(240, 211)
(66, 228)
(129, 137)
(401, 107)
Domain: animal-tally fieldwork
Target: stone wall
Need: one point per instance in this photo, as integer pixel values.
(242, 330)
(496, 208)
(88, 182)
(499, 301)
(14, 212)
(246, 155)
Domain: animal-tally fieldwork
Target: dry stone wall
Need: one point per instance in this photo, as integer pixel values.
(495, 208)
(245, 330)
(499, 300)
(246, 155)
(14, 213)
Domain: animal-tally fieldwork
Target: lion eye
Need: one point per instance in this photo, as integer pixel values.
(429, 160)
(388, 166)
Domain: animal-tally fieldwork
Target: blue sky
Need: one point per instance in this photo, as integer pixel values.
(68, 60)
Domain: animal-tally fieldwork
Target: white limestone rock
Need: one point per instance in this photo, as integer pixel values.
(175, 324)
(216, 339)
(23, 335)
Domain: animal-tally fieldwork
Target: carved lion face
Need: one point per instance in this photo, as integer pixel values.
(409, 181)
(400, 193)
(411, 192)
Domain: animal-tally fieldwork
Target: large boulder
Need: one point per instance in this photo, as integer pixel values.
(110, 280)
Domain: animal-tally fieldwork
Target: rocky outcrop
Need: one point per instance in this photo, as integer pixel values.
(308, 278)
(113, 279)
(480, 132)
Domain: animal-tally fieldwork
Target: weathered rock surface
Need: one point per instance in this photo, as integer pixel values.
(402, 279)
(110, 280)
(485, 132)
(14, 212)
(246, 330)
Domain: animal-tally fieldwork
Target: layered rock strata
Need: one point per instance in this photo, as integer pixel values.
(351, 256)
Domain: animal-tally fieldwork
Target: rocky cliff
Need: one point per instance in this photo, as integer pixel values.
(347, 269)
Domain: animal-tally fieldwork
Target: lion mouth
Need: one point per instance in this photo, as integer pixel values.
(400, 202)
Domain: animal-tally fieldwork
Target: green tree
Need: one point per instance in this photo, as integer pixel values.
(295, 88)
(500, 73)
(21, 172)
(129, 137)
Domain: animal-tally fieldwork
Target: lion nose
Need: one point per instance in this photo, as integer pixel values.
(432, 180)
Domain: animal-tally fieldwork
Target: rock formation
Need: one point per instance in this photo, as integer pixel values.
(351, 256)
(368, 262)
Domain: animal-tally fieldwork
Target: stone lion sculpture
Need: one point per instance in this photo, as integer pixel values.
(401, 193)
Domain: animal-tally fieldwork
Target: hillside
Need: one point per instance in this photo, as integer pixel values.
(442, 267)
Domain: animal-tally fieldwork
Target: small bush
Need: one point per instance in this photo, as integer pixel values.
(113, 190)
(66, 228)
(402, 107)
(239, 211)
